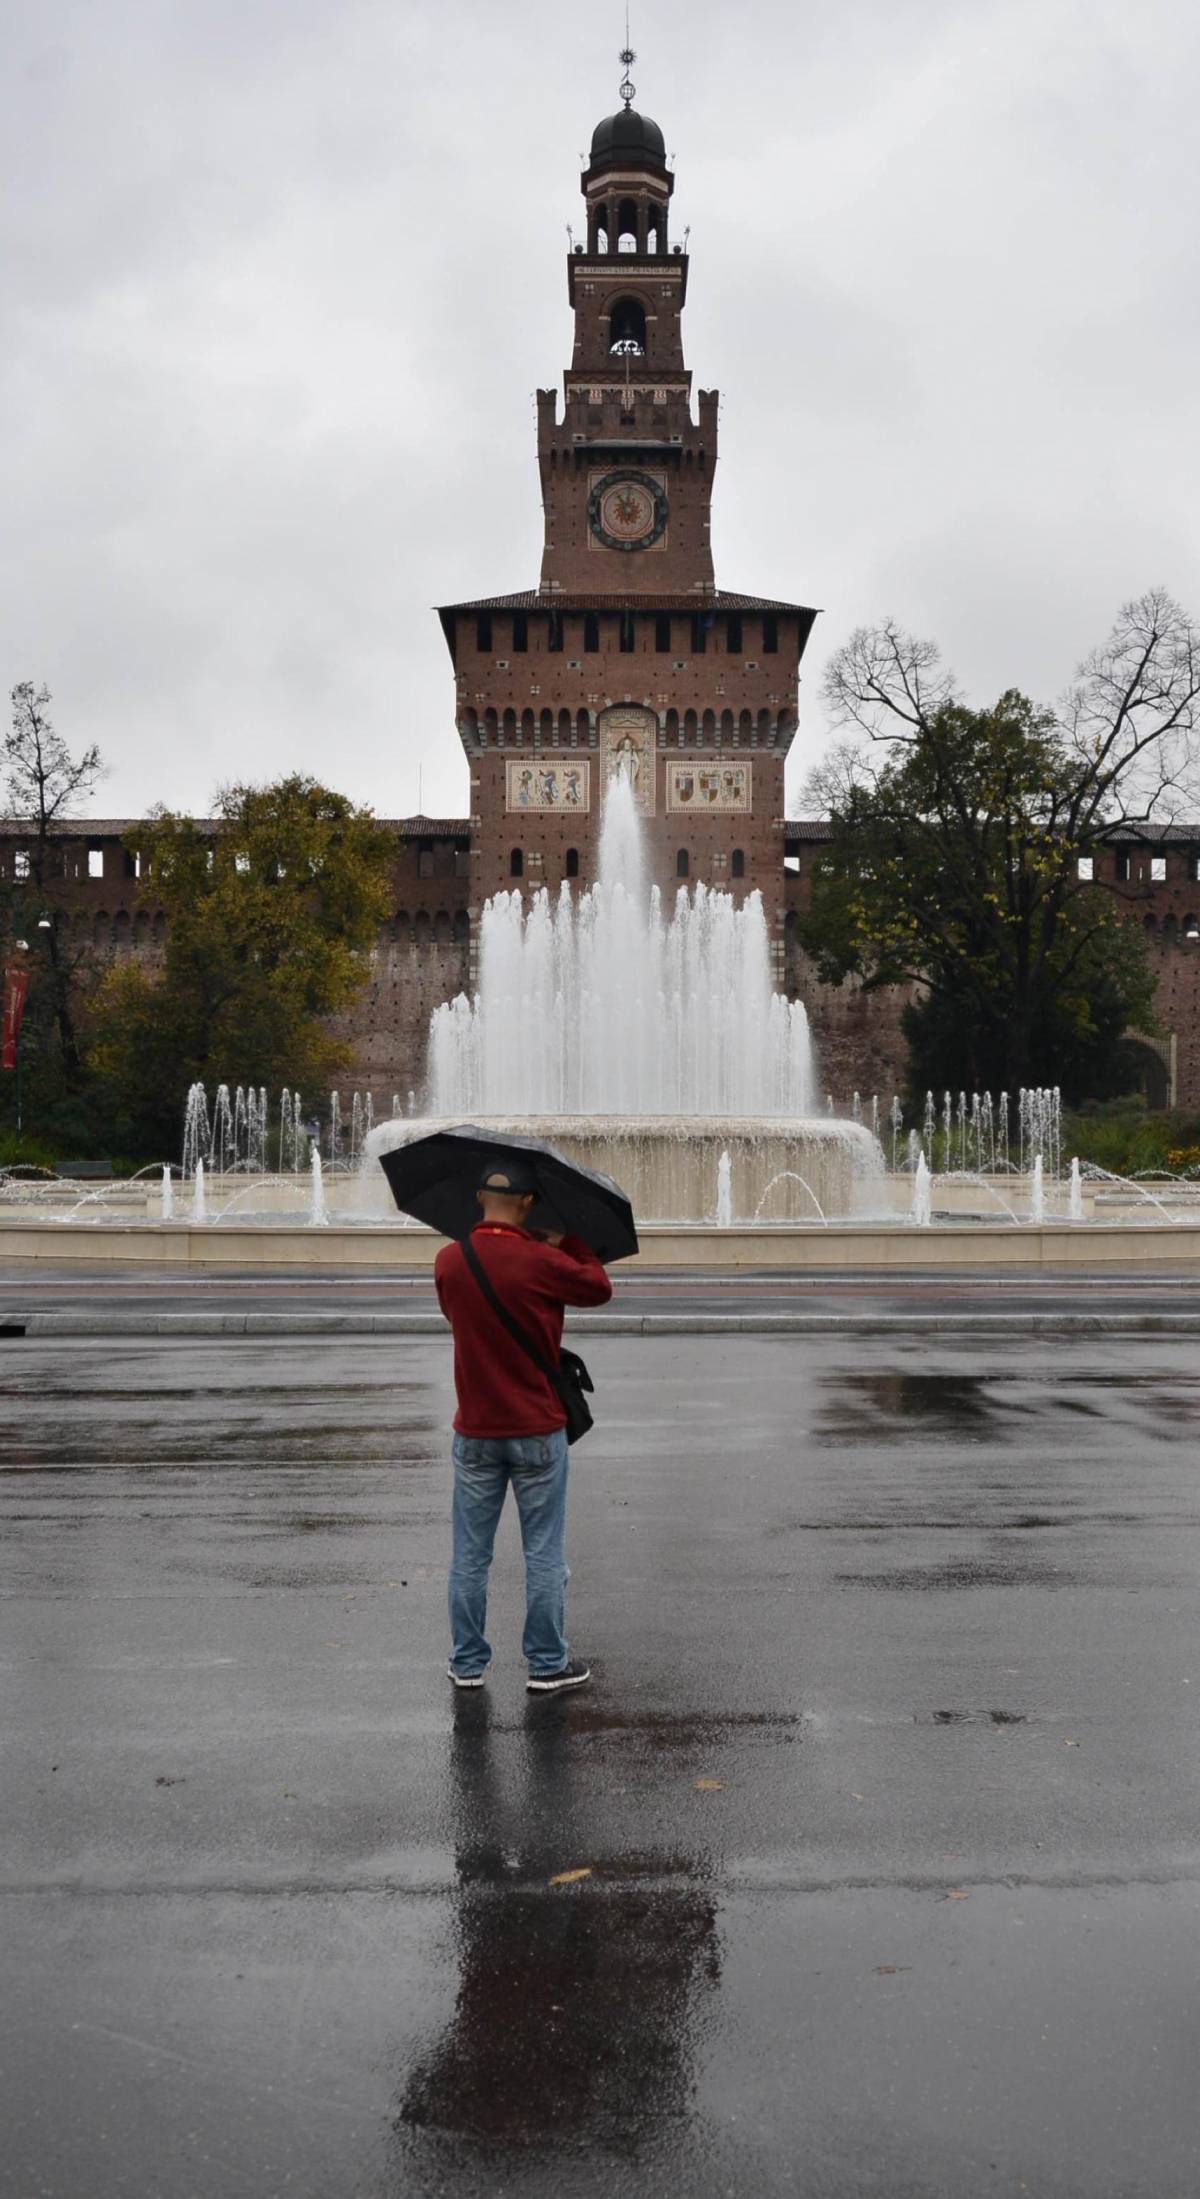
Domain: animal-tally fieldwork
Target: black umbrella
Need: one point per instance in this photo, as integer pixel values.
(436, 1177)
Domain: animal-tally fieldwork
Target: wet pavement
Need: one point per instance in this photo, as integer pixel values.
(869, 1865)
(138, 1294)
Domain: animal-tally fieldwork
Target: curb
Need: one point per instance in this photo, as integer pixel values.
(133, 1324)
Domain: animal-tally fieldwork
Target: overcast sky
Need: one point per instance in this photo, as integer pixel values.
(282, 276)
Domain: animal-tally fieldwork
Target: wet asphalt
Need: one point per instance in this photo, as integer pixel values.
(870, 1864)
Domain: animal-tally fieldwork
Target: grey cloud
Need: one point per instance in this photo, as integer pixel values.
(280, 282)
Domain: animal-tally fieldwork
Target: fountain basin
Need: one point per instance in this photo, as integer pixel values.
(781, 1168)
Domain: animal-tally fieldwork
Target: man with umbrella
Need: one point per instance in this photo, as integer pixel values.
(511, 1421)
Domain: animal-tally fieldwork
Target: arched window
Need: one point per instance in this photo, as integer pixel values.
(710, 725)
(672, 725)
(627, 226)
(1191, 929)
(527, 725)
(738, 865)
(727, 721)
(491, 725)
(510, 725)
(1169, 928)
(627, 328)
(462, 926)
(422, 927)
(652, 221)
(441, 927)
(1148, 924)
(681, 863)
(582, 724)
(564, 725)
(572, 863)
(745, 725)
(690, 726)
(546, 725)
(516, 863)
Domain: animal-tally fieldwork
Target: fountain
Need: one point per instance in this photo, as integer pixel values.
(317, 1215)
(922, 1194)
(648, 1044)
(1037, 1192)
(724, 1192)
(168, 1195)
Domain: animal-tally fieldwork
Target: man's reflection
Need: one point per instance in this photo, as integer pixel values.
(576, 2005)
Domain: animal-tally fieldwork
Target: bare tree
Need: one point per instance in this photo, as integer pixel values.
(44, 785)
(959, 860)
(1124, 731)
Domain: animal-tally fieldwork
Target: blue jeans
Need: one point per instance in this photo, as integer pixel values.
(536, 1465)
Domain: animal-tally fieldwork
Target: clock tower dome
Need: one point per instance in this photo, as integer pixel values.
(627, 472)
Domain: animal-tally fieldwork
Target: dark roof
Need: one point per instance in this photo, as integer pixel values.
(116, 828)
(1144, 835)
(683, 599)
(628, 133)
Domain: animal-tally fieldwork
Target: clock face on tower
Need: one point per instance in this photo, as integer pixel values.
(627, 510)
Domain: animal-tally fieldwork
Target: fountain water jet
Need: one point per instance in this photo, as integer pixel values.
(644, 1042)
(318, 1216)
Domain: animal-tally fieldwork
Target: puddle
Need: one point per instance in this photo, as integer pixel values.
(970, 1718)
(967, 1573)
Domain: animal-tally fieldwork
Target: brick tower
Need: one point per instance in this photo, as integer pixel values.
(627, 657)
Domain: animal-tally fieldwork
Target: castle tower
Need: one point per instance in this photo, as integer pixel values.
(626, 656)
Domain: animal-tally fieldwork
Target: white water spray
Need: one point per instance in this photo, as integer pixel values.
(318, 1217)
(725, 1192)
(1075, 1195)
(922, 1194)
(600, 1004)
(199, 1210)
(168, 1196)
(1037, 1192)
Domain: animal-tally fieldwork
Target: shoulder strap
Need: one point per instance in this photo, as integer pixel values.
(519, 1335)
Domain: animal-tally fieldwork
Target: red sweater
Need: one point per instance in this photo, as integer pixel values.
(500, 1390)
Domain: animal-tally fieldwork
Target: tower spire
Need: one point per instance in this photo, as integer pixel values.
(627, 58)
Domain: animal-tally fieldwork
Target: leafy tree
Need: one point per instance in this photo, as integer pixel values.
(958, 834)
(44, 786)
(270, 911)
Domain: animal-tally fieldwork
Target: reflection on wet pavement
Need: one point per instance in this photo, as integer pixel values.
(895, 1404)
(837, 1828)
(576, 2006)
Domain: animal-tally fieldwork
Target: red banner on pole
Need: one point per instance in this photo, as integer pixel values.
(16, 986)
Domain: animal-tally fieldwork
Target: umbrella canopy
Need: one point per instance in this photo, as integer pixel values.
(435, 1179)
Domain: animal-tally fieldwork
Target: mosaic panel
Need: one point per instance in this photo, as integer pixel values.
(563, 784)
(720, 787)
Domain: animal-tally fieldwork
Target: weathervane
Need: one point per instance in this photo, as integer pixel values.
(627, 58)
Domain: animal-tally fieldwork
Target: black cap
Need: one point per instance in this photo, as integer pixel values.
(512, 1176)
